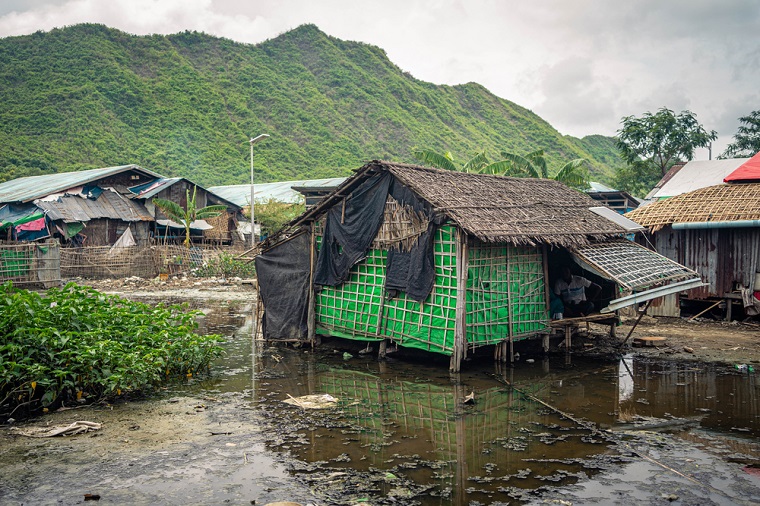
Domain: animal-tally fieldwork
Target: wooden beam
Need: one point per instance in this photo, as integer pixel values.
(311, 318)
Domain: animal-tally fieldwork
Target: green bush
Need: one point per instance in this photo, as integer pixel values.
(75, 342)
(225, 266)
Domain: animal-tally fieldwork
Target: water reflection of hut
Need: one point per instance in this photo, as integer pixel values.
(446, 261)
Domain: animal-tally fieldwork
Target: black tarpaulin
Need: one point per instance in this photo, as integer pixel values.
(412, 271)
(283, 275)
(350, 229)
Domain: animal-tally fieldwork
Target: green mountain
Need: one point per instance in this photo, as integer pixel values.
(90, 96)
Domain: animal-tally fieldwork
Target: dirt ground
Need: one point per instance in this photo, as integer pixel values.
(702, 340)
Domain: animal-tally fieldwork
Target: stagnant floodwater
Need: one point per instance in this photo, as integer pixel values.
(401, 432)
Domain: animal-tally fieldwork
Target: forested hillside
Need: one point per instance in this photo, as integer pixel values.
(90, 96)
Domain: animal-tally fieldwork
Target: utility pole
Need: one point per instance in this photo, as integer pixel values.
(253, 141)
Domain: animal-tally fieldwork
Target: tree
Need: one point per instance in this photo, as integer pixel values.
(747, 139)
(272, 214)
(533, 165)
(477, 164)
(650, 145)
(573, 173)
(190, 213)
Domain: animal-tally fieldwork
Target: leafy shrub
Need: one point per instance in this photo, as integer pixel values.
(75, 342)
(225, 266)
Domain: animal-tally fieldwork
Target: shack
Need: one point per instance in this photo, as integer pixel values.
(70, 202)
(617, 200)
(220, 230)
(716, 232)
(446, 261)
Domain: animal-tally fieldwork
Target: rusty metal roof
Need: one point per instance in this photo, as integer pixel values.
(73, 208)
(153, 188)
(27, 189)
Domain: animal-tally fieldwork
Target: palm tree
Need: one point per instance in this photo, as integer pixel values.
(189, 214)
(573, 173)
(478, 164)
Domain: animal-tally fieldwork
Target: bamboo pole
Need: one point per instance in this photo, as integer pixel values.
(460, 331)
(311, 318)
(705, 310)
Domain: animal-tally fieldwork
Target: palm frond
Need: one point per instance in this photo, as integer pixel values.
(520, 166)
(538, 160)
(574, 173)
(434, 159)
(210, 211)
(171, 209)
(501, 168)
(476, 163)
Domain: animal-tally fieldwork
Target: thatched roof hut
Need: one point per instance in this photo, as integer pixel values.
(716, 232)
(443, 261)
(719, 203)
(494, 208)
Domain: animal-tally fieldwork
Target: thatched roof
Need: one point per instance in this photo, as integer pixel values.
(495, 208)
(724, 202)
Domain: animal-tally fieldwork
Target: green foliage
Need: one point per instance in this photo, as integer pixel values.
(74, 342)
(747, 139)
(190, 213)
(478, 164)
(88, 96)
(658, 141)
(273, 214)
(573, 173)
(637, 178)
(225, 266)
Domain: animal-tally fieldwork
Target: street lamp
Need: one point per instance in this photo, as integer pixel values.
(253, 141)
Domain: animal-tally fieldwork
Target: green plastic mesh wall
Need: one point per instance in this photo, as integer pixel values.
(504, 280)
(352, 309)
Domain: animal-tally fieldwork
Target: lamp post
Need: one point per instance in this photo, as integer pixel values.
(253, 141)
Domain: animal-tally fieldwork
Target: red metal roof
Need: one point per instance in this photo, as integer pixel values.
(746, 172)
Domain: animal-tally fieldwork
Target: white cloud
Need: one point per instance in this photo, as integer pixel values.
(581, 65)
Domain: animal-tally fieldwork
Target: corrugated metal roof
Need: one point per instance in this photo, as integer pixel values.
(240, 194)
(698, 174)
(153, 188)
(594, 187)
(26, 189)
(156, 187)
(109, 204)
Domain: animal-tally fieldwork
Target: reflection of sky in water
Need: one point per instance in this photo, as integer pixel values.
(625, 378)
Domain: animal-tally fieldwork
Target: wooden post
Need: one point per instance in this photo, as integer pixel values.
(383, 349)
(545, 261)
(548, 290)
(509, 313)
(460, 330)
(311, 318)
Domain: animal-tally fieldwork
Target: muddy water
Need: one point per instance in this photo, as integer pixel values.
(401, 433)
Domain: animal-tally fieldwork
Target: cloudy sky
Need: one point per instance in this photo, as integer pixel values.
(582, 64)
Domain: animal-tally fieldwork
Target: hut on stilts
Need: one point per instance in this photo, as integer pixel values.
(445, 261)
